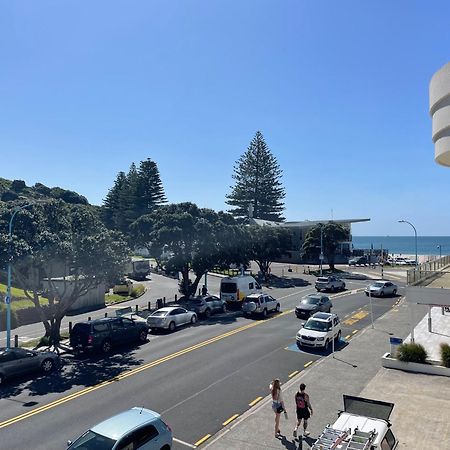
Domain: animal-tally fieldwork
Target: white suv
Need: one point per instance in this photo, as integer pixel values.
(259, 304)
(319, 330)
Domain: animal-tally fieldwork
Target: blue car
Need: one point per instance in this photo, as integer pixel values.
(137, 428)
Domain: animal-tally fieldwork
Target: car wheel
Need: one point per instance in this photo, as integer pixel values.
(207, 313)
(277, 309)
(264, 313)
(194, 319)
(166, 447)
(106, 346)
(224, 309)
(47, 365)
(381, 293)
(394, 292)
(338, 337)
(367, 294)
(343, 286)
(333, 289)
(143, 335)
(172, 326)
(327, 345)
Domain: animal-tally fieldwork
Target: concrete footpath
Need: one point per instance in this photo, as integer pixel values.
(420, 418)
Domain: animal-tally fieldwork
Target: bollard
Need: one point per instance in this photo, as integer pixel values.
(70, 327)
(149, 305)
(176, 296)
(164, 301)
(16, 340)
(106, 315)
(137, 309)
(89, 319)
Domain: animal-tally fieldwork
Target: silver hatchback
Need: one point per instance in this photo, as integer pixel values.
(137, 428)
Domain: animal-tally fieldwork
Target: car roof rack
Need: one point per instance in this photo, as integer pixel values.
(331, 438)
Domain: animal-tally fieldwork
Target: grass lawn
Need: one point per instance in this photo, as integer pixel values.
(111, 299)
(20, 300)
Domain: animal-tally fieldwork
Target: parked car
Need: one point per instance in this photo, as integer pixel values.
(330, 283)
(205, 305)
(137, 428)
(259, 304)
(103, 334)
(311, 304)
(319, 330)
(381, 289)
(171, 317)
(18, 361)
(359, 260)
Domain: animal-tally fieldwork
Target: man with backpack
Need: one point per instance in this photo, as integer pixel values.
(304, 409)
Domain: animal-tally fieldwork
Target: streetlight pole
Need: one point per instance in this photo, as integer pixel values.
(415, 235)
(8, 289)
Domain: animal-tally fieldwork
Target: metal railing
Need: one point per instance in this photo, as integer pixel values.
(427, 271)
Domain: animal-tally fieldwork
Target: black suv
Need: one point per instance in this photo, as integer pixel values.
(103, 334)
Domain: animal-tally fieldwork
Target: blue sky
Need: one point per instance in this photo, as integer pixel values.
(339, 90)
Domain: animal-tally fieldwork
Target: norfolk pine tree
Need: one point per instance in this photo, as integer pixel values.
(258, 183)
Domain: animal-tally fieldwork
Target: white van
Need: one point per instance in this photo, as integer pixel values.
(235, 289)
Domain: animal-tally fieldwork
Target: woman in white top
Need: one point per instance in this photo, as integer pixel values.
(277, 403)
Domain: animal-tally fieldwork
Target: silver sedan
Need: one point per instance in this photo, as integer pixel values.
(171, 317)
(18, 361)
(381, 289)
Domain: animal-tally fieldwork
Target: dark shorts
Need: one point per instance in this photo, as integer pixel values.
(303, 413)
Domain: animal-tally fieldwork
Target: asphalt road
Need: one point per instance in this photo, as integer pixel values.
(197, 378)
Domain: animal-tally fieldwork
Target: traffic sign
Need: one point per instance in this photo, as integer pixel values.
(7, 299)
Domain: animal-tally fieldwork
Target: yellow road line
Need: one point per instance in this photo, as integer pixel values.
(254, 402)
(131, 372)
(234, 417)
(308, 364)
(354, 331)
(293, 373)
(348, 336)
(203, 439)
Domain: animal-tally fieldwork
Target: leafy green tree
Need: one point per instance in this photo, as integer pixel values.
(56, 240)
(257, 178)
(198, 240)
(332, 234)
(268, 244)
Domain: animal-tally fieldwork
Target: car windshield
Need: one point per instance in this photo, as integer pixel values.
(228, 288)
(316, 325)
(251, 299)
(310, 301)
(377, 285)
(322, 279)
(159, 314)
(195, 300)
(81, 328)
(93, 441)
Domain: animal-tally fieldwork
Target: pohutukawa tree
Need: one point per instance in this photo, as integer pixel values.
(257, 176)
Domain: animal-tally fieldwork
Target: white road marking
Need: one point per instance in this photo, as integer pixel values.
(184, 443)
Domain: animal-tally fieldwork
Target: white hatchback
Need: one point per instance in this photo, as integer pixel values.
(319, 331)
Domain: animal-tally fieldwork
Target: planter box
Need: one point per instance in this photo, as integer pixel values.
(432, 368)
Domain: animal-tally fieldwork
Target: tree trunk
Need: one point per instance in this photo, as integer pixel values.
(194, 285)
(55, 332)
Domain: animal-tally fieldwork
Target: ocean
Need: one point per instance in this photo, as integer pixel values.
(426, 245)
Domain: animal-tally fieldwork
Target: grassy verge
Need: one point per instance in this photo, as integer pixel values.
(19, 299)
(111, 299)
(41, 342)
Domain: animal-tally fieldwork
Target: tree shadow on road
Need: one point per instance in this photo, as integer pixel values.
(84, 370)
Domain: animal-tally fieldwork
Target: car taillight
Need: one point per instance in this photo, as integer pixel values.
(90, 339)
